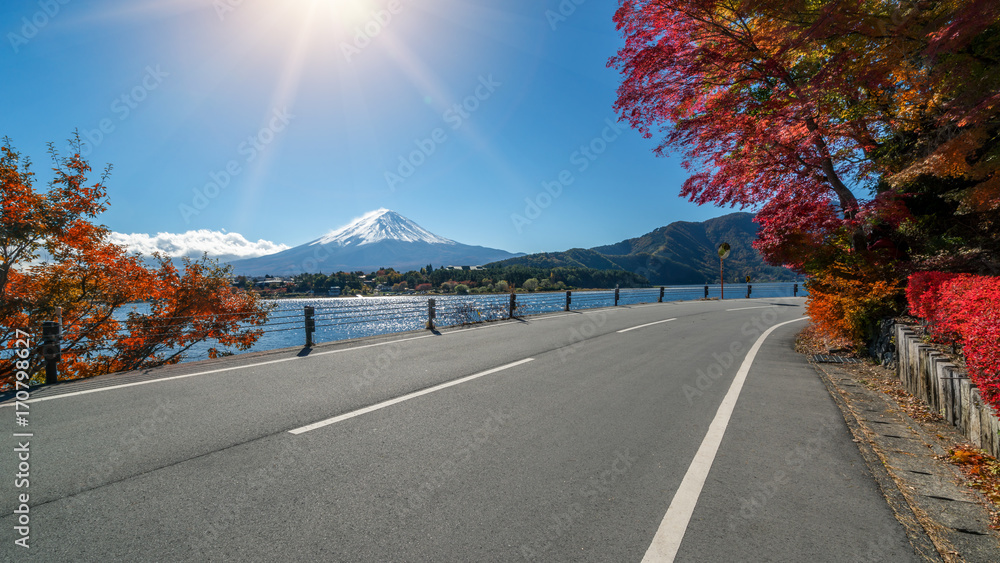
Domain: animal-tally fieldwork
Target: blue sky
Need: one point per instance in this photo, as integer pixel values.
(281, 121)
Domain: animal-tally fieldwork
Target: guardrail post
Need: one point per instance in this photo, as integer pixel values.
(513, 305)
(795, 291)
(51, 350)
(431, 313)
(661, 295)
(569, 299)
(616, 296)
(706, 291)
(749, 289)
(310, 325)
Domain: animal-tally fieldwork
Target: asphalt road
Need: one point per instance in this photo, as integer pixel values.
(564, 437)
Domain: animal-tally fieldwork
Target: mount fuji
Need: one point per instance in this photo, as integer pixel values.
(379, 239)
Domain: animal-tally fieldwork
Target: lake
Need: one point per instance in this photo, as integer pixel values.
(343, 318)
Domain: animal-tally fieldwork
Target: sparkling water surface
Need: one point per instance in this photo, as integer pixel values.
(343, 318)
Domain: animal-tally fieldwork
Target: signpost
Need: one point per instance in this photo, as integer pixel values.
(724, 250)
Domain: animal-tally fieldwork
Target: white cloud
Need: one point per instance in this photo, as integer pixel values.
(222, 245)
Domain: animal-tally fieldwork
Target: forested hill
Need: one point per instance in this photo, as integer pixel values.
(680, 253)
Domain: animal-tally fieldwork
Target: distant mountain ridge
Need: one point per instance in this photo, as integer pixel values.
(682, 252)
(379, 239)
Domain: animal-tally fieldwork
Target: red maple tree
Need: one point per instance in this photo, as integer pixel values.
(866, 135)
(793, 107)
(52, 255)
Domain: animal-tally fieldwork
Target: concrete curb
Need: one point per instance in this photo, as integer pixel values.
(944, 519)
(919, 539)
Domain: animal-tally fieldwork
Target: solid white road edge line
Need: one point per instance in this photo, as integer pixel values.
(746, 308)
(397, 400)
(647, 324)
(220, 370)
(546, 317)
(669, 535)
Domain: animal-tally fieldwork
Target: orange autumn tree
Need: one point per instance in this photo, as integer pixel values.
(53, 255)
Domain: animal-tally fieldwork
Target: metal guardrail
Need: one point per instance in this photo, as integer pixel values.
(453, 311)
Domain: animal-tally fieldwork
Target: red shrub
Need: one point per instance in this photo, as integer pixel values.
(923, 293)
(966, 308)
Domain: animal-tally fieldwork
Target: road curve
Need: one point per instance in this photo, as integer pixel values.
(563, 437)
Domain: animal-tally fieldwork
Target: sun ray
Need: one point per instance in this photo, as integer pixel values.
(282, 99)
(420, 74)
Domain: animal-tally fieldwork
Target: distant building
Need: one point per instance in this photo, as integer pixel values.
(268, 282)
(464, 268)
(333, 291)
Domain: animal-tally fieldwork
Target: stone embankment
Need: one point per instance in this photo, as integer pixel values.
(932, 376)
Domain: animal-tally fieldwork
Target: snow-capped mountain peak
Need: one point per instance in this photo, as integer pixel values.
(379, 239)
(379, 225)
